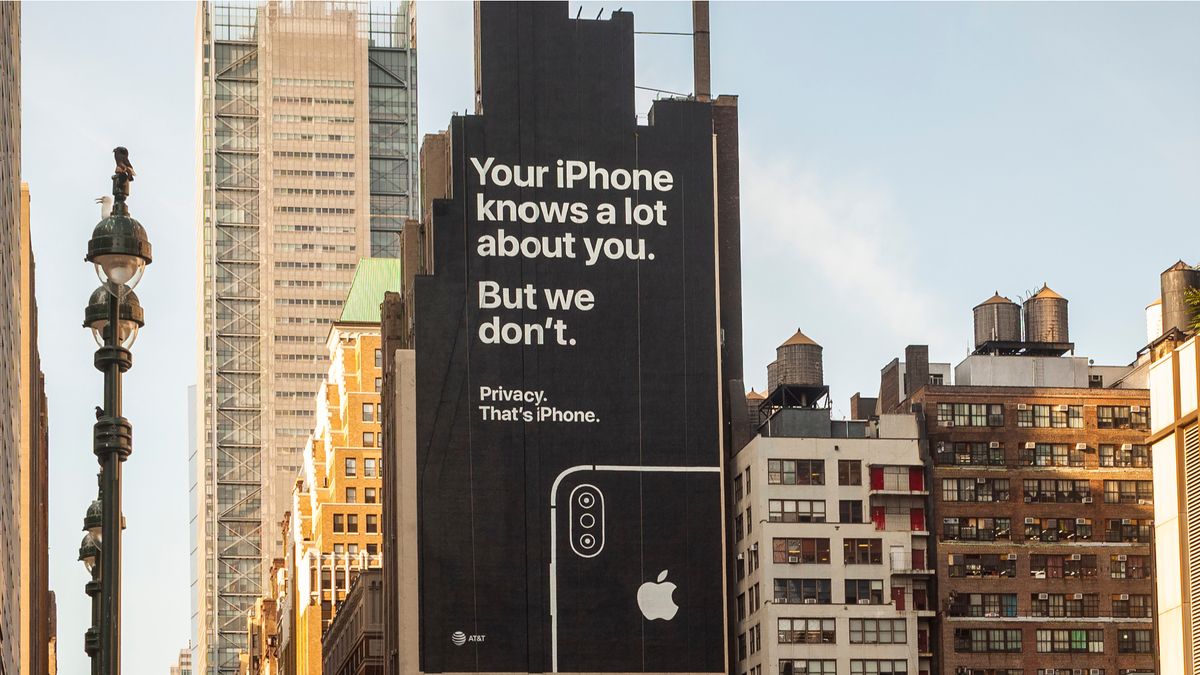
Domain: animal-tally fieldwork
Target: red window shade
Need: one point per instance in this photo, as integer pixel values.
(898, 597)
(916, 519)
(877, 478)
(918, 559)
(916, 478)
(879, 517)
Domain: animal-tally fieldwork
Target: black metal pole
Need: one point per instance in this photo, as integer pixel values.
(110, 362)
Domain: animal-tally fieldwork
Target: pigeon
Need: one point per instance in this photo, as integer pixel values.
(121, 155)
(106, 204)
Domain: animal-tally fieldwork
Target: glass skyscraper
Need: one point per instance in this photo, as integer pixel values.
(307, 151)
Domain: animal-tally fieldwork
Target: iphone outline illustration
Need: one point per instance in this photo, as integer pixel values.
(632, 468)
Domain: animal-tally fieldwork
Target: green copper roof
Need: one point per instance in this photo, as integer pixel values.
(373, 278)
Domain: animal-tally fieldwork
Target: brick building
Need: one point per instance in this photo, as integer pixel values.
(1042, 505)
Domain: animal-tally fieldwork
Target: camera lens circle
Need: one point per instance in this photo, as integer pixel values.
(587, 520)
(587, 541)
(586, 500)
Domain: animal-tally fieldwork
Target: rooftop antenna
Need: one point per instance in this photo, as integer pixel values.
(599, 13)
(579, 12)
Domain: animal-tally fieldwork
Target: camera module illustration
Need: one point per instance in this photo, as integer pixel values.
(567, 358)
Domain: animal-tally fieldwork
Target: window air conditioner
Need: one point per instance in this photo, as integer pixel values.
(1060, 408)
(1011, 556)
(1087, 500)
(793, 559)
(1030, 445)
(1081, 521)
(754, 546)
(1030, 521)
(1135, 408)
(1075, 556)
(1081, 446)
(994, 444)
(1126, 521)
(1078, 596)
(1122, 558)
(810, 601)
(741, 556)
(1143, 502)
(1028, 499)
(1123, 596)
(864, 601)
(1022, 406)
(981, 480)
(1127, 446)
(1043, 596)
(1096, 671)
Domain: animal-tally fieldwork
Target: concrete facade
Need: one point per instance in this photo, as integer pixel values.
(832, 564)
(1175, 443)
(306, 165)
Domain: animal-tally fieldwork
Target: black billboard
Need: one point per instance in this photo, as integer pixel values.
(567, 354)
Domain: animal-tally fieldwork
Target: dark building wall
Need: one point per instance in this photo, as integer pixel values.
(916, 368)
(889, 388)
(1024, 584)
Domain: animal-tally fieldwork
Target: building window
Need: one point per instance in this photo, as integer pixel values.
(984, 604)
(864, 592)
(796, 511)
(807, 667)
(984, 640)
(1050, 416)
(1134, 641)
(796, 471)
(806, 551)
(378, 358)
(1129, 566)
(878, 667)
(975, 489)
(849, 472)
(1125, 605)
(862, 551)
(850, 511)
(1058, 529)
(352, 523)
(878, 631)
(1062, 566)
(1071, 641)
(339, 523)
(369, 470)
(372, 524)
(970, 454)
(1125, 456)
(369, 496)
(351, 467)
(1056, 491)
(372, 549)
(976, 529)
(1072, 605)
(1128, 492)
(1047, 454)
(803, 591)
(1129, 530)
(368, 439)
(1115, 417)
(368, 412)
(379, 384)
(807, 631)
(983, 565)
(970, 415)
(737, 488)
(351, 495)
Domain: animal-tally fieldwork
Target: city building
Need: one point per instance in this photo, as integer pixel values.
(575, 80)
(305, 166)
(353, 645)
(262, 637)
(183, 665)
(1174, 440)
(831, 559)
(333, 527)
(1042, 499)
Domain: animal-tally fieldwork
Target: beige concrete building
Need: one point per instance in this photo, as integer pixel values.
(1175, 448)
(306, 131)
(832, 567)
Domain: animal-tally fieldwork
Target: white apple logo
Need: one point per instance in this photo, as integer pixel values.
(655, 601)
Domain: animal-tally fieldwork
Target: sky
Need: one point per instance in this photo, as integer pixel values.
(900, 162)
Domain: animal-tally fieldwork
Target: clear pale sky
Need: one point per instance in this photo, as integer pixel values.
(900, 162)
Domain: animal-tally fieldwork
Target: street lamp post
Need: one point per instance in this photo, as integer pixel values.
(120, 251)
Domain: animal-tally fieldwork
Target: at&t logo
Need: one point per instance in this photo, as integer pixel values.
(460, 638)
